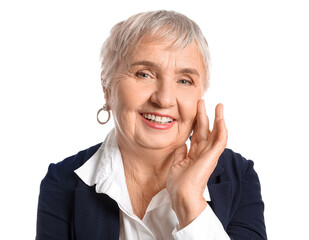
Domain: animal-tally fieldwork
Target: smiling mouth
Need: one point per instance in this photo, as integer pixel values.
(156, 119)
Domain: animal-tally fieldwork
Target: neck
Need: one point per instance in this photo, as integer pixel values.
(145, 165)
(145, 172)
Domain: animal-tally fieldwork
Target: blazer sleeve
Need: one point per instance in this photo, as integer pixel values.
(54, 208)
(248, 220)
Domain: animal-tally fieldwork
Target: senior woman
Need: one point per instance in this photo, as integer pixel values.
(142, 182)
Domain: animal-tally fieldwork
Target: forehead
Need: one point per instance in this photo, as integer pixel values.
(164, 53)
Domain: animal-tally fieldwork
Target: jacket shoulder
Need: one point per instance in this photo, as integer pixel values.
(63, 172)
(57, 197)
(234, 163)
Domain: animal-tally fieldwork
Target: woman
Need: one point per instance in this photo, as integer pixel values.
(142, 182)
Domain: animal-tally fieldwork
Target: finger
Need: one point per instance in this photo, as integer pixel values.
(193, 136)
(219, 112)
(219, 131)
(202, 122)
(180, 154)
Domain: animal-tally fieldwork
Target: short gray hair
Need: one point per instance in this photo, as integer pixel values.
(163, 25)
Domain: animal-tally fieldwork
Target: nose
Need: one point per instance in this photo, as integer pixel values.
(164, 95)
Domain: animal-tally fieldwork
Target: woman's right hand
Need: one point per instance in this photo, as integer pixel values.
(189, 174)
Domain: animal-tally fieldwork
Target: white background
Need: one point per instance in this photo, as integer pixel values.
(50, 92)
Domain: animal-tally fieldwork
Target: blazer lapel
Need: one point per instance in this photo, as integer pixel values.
(96, 216)
(220, 194)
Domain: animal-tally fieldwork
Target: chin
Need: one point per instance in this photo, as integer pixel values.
(160, 142)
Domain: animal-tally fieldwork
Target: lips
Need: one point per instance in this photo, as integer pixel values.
(157, 121)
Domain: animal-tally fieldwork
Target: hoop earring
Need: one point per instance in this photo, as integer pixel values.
(104, 108)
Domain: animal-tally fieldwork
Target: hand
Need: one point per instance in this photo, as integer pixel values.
(189, 174)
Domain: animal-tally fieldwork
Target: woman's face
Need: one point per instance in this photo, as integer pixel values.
(160, 83)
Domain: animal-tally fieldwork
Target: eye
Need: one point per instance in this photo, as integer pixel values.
(185, 82)
(142, 75)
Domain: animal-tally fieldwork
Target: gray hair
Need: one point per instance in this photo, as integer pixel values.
(163, 25)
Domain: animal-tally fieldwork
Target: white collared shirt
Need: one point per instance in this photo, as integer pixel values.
(105, 170)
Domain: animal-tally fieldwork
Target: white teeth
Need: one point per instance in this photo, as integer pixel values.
(157, 119)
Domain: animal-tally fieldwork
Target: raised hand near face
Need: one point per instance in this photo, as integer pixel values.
(189, 173)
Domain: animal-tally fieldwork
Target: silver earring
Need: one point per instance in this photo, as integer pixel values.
(104, 108)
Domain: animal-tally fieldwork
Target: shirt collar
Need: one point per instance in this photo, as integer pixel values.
(105, 170)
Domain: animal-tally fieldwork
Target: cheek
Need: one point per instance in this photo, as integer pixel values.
(188, 107)
(128, 97)
(122, 106)
(121, 96)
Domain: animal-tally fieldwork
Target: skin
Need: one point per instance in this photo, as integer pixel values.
(166, 81)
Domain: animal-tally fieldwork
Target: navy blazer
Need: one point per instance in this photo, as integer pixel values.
(69, 209)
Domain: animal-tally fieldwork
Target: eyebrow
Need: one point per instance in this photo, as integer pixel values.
(145, 63)
(152, 64)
